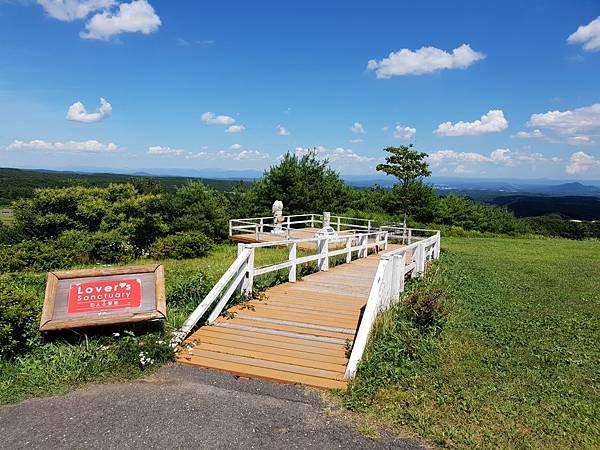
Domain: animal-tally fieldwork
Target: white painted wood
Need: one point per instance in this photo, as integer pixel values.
(216, 312)
(292, 250)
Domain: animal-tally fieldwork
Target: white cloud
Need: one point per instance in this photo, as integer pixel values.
(357, 127)
(235, 146)
(424, 60)
(401, 132)
(70, 10)
(491, 122)
(243, 155)
(235, 129)
(78, 113)
(210, 118)
(282, 131)
(529, 134)
(158, 150)
(356, 141)
(574, 125)
(499, 156)
(581, 162)
(91, 146)
(588, 35)
(137, 16)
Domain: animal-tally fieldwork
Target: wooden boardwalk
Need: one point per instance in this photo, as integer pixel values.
(298, 233)
(298, 333)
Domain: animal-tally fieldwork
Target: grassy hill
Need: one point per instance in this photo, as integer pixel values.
(18, 183)
(516, 366)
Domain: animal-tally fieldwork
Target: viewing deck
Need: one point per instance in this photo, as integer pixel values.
(313, 330)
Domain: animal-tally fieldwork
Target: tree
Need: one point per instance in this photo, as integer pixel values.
(408, 166)
(305, 184)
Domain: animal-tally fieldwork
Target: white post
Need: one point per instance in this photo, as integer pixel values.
(245, 287)
(438, 243)
(421, 260)
(288, 222)
(312, 220)
(348, 251)
(322, 249)
(292, 259)
(415, 258)
(262, 225)
(257, 233)
(385, 243)
(363, 241)
(338, 224)
(231, 228)
(410, 236)
(369, 226)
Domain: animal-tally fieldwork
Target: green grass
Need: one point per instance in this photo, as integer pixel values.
(57, 365)
(518, 363)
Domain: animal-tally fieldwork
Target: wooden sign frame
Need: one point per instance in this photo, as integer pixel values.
(48, 321)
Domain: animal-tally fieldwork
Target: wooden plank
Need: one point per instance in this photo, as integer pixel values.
(295, 359)
(293, 323)
(303, 308)
(296, 315)
(298, 352)
(263, 373)
(286, 333)
(289, 328)
(241, 336)
(284, 367)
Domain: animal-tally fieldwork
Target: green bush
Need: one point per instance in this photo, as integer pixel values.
(183, 245)
(18, 318)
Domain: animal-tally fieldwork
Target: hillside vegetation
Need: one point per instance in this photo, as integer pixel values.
(517, 364)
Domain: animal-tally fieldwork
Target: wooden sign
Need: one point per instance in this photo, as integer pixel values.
(83, 298)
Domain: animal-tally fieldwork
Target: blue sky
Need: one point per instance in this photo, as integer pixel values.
(488, 89)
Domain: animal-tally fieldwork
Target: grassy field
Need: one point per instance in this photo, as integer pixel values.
(518, 363)
(64, 362)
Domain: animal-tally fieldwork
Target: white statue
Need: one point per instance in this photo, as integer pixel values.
(277, 210)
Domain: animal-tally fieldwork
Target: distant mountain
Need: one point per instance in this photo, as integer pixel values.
(573, 207)
(575, 188)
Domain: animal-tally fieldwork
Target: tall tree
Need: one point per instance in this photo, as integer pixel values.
(409, 167)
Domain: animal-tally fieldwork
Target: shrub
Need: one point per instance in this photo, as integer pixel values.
(183, 245)
(19, 316)
(429, 308)
(99, 247)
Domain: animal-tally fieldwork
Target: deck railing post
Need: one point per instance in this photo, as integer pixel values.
(421, 259)
(338, 224)
(322, 250)
(348, 251)
(292, 258)
(438, 242)
(288, 222)
(385, 242)
(248, 282)
(231, 228)
(369, 226)
(363, 241)
(262, 225)
(409, 236)
(312, 220)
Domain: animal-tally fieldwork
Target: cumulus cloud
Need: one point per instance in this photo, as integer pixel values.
(282, 131)
(78, 113)
(91, 146)
(243, 155)
(576, 127)
(235, 129)
(356, 141)
(491, 122)
(401, 132)
(70, 10)
(499, 156)
(529, 134)
(588, 35)
(424, 60)
(211, 118)
(581, 162)
(357, 127)
(135, 17)
(235, 146)
(169, 151)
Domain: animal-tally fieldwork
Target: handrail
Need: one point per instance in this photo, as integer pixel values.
(194, 318)
(386, 288)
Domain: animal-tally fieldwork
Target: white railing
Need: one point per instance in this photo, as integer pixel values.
(387, 286)
(257, 225)
(239, 278)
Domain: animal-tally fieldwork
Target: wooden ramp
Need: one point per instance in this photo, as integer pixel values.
(298, 333)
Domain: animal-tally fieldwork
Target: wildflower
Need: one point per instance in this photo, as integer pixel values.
(116, 334)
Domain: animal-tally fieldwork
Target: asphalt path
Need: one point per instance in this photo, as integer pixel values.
(185, 407)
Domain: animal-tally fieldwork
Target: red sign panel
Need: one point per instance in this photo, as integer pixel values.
(105, 295)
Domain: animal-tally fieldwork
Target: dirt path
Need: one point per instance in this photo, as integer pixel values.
(183, 407)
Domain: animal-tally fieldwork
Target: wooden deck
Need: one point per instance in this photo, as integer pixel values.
(298, 333)
(298, 233)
